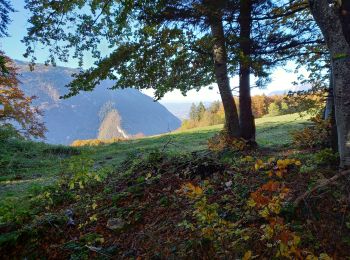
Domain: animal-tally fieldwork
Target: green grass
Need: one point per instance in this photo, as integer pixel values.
(276, 131)
(26, 167)
(271, 132)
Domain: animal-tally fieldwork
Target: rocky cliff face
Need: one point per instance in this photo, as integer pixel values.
(101, 113)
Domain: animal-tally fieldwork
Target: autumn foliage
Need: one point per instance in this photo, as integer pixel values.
(317, 135)
(222, 141)
(96, 142)
(262, 105)
(15, 107)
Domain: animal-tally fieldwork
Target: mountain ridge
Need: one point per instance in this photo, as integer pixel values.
(78, 117)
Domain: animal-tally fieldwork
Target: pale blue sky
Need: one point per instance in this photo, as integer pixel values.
(17, 29)
(13, 46)
(281, 79)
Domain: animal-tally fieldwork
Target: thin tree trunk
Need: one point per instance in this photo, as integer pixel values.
(329, 21)
(246, 117)
(329, 114)
(330, 99)
(220, 68)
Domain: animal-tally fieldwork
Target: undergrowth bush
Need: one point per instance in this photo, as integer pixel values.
(10, 212)
(96, 142)
(219, 235)
(270, 235)
(326, 157)
(223, 141)
(8, 132)
(81, 171)
(316, 136)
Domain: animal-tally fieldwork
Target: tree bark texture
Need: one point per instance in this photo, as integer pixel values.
(246, 117)
(345, 18)
(329, 114)
(329, 20)
(220, 68)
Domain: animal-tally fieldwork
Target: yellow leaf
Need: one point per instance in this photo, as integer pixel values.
(279, 173)
(296, 240)
(324, 256)
(251, 203)
(247, 255)
(264, 213)
(282, 250)
(94, 205)
(93, 217)
(297, 163)
(271, 160)
(192, 191)
(80, 226)
(248, 158)
(101, 240)
(258, 165)
(275, 207)
(311, 257)
(198, 190)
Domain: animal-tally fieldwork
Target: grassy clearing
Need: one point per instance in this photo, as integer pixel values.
(169, 197)
(26, 166)
(271, 132)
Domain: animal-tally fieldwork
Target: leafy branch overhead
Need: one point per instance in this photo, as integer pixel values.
(153, 44)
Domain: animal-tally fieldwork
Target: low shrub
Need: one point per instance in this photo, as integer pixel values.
(315, 136)
(95, 142)
(223, 141)
(326, 157)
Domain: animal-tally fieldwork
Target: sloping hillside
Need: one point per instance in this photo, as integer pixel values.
(170, 197)
(81, 117)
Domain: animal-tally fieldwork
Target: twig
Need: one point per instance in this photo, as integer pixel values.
(321, 185)
(169, 141)
(97, 250)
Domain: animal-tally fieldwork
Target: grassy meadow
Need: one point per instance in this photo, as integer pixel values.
(28, 166)
(122, 192)
(272, 132)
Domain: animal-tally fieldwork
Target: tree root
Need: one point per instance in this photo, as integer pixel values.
(321, 185)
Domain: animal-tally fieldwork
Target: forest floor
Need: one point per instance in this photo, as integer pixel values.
(169, 197)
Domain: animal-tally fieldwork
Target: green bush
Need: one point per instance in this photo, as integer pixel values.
(326, 157)
(274, 109)
(8, 132)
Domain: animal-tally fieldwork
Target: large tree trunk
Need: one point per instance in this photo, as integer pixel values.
(220, 68)
(246, 118)
(329, 21)
(345, 19)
